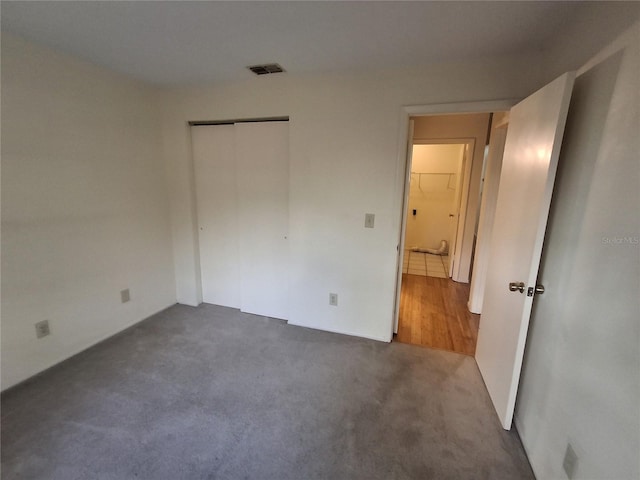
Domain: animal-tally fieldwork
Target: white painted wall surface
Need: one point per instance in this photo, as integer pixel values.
(84, 207)
(581, 382)
(343, 164)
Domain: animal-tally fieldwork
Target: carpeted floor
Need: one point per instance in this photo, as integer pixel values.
(211, 393)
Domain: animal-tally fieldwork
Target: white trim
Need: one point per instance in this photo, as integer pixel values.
(487, 215)
(401, 180)
(339, 332)
(461, 107)
(406, 165)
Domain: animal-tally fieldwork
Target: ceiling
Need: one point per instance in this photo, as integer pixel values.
(186, 43)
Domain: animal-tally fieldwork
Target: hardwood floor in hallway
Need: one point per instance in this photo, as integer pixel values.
(433, 313)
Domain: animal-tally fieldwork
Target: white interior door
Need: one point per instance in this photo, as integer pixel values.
(215, 180)
(403, 229)
(487, 214)
(262, 159)
(454, 215)
(536, 126)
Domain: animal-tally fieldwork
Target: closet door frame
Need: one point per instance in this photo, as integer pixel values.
(248, 266)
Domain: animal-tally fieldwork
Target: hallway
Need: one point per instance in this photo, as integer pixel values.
(433, 313)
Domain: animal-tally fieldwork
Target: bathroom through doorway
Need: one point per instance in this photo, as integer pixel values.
(434, 208)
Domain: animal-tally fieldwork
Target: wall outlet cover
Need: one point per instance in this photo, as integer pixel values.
(125, 296)
(369, 220)
(333, 299)
(42, 329)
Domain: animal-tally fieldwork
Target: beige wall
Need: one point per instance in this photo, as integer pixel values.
(84, 207)
(432, 193)
(438, 158)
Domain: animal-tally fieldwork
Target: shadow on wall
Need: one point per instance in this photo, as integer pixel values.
(582, 353)
(584, 116)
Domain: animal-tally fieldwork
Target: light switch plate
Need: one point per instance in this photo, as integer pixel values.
(42, 329)
(333, 299)
(369, 220)
(125, 296)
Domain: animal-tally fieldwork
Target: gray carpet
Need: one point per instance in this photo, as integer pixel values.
(208, 392)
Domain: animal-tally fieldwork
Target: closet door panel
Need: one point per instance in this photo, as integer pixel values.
(216, 197)
(262, 156)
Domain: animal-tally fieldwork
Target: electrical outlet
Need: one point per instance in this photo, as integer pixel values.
(333, 299)
(125, 295)
(42, 329)
(369, 220)
(570, 461)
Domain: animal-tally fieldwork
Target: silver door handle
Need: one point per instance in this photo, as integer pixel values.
(516, 287)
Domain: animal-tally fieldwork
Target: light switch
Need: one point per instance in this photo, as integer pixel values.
(42, 329)
(369, 220)
(333, 299)
(125, 296)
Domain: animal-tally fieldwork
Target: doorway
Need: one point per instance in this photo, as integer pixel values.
(531, 152)
(452, 123)
(432, 305)
(435, 186)
(445, 161)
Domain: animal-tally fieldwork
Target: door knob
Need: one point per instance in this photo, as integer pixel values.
(516, 287)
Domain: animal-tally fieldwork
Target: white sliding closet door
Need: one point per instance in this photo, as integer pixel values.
(215, 179)
(242, 195)
(262, 156)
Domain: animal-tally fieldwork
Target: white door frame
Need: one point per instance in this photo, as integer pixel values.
(487, 215)
(403, 174)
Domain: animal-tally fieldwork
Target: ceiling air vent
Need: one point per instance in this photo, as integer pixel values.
(265, 69)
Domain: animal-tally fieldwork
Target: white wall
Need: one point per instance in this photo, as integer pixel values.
(580, 381)
(343, 163)
(432, 195)
(466, 126)
(84, 207)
